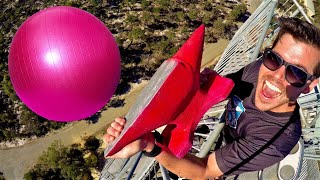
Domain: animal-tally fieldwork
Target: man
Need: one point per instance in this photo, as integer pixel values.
(267, 90)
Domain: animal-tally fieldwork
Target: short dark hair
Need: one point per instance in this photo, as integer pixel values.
(302, 31)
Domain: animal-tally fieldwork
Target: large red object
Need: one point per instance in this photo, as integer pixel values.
(174, 97)
(64, 63)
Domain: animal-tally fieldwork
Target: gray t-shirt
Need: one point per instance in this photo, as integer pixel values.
(248, 131)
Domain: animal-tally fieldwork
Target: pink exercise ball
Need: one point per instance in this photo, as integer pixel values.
(64, 63)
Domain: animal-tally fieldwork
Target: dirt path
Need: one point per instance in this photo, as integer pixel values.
(213, 51)
(253, 5)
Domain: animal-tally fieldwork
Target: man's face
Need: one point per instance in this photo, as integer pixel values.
(273, 91)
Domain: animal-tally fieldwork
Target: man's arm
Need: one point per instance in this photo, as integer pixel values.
(190, 166)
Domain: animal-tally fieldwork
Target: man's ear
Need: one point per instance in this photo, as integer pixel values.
(311, 86)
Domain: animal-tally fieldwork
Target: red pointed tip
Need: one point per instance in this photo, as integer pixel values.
(191, 50)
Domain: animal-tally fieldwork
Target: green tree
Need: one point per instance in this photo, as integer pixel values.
(193, 15)
(164, 4)
(132, 18)
(72, 3)
(237, 12)
(119, 41)
(60, 162)
(317, 12)
(173, 50)
(207, 18)
(91, 160)
(156, 11)
(30, 120)
(9, 128)
(180, 15)
(219, 27)
(73, 164)
(2, 136)
(35, 124)
(53, 155)
(92, 143)
(170, 34)
(1, 38)
(210, 35)
(215, 13)
(136, 35)
(147, 18)
(8, 88)
(42, 172)
(145, 4)
(207, 6)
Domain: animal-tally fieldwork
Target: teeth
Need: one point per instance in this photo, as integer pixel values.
(272, 87)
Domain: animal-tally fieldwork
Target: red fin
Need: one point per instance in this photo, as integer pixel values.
(191, 50)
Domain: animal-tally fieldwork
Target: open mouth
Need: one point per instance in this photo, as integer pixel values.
(269, 90)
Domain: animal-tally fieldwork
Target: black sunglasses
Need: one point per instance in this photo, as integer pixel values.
(295, 75)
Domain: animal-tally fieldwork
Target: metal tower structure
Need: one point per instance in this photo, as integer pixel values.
(244, 48)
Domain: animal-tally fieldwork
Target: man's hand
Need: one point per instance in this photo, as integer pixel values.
(145, 143)
(190, 166)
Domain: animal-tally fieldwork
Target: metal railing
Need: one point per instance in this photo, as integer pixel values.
(243, 49)
(245, 45)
